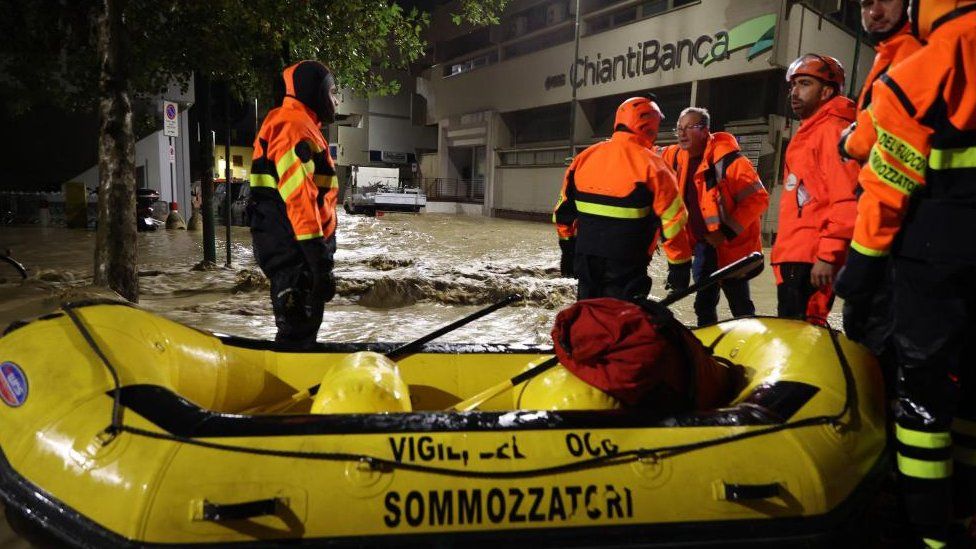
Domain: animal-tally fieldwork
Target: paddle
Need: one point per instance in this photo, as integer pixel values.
(400, 352)
(738, 269)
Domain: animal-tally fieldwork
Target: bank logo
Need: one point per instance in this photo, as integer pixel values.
(13, 384)
(650, 56)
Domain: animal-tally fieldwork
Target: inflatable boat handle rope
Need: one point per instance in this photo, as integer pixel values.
(383, 464)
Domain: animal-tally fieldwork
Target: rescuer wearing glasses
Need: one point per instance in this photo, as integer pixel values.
(725, 201)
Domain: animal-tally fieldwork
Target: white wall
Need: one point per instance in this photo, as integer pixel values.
(398, 134)
(152, 153)
(527, 189)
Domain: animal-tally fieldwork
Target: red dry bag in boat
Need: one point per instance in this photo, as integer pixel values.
(641, 355)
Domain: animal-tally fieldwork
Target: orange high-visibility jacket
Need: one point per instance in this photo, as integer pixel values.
(922, 170)
(616, 197)
(890, 53)
(818, 205)
(292, 161)
(730, 194)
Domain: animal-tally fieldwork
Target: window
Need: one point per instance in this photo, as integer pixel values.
(653, 8)
(602, 17)
(471, 64)
(544, 157)
(540, 124)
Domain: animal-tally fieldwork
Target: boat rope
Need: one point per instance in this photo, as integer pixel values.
(385, 464)
(115, 427)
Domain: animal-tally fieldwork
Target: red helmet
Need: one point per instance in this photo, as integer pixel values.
(640, 115)
(822, 67)
(926, 15)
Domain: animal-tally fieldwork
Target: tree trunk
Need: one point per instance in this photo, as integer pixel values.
(115, 240)
(202, 104)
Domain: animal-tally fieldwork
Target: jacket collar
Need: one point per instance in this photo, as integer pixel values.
(839, 106)
(633, 138)
(292, 103)
(888, 46)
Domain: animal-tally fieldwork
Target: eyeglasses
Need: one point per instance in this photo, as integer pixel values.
(679, 129)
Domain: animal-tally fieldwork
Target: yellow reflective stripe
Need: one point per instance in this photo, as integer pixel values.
(964, 426)
(308, 236)
(286, 161)
(908, 155)
(949, 159)
(864, 250)
(292, 183)
(673, 209)
(618, 212)
(263, 180)
(892, 176)
(326, 181)
(670, 231)
(934, 543)
(918, 468)
(679, 262)
(966, 456)
(921, 439)
(566, 237)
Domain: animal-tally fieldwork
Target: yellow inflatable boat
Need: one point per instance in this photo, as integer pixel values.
(121, 428)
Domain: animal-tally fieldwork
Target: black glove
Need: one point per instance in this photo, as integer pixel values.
(318, 257)
(568, 248)
(860, 277)
(679, 277)
(329, 288)
(842, 143)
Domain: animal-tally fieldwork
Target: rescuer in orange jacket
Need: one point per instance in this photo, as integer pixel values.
(292, 204)
(886, 25)
(919, 208)
(725, 201)
(616, 197)
(818, 205)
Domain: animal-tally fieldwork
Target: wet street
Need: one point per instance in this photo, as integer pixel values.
(399, 277)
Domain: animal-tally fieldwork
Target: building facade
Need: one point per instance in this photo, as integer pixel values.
(501, 96)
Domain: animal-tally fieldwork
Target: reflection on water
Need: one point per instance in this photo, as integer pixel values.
(399, 277)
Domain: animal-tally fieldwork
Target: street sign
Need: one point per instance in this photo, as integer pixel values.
(172, 154)
(171, 125)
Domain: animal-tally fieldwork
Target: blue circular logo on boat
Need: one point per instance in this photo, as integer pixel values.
(13, 384)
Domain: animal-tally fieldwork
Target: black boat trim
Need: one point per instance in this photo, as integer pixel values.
(768, 404)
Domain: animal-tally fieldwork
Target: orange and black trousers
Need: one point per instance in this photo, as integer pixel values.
(300, 272)
(934, 337)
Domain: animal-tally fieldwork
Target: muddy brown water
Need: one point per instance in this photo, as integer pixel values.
(400, 276)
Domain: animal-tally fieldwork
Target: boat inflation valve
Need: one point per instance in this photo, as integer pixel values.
(363, 383)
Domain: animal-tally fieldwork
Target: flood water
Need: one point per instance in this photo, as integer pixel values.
(399, 276)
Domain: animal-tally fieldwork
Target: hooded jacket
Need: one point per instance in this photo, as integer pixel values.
(292, 164)
(818, 203)
(731, 196)
(889, 54)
